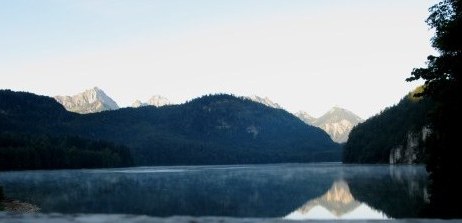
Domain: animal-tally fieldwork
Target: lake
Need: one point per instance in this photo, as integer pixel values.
(291, 191)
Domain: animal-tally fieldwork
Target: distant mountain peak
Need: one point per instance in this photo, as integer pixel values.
(337, 122)
(96, 93)
(336, 109)
(305, 117)
(90, 101)
(266, 101)
(137, 103)
(342, 111)
(156, 100)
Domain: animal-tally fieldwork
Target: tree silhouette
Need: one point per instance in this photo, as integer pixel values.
(442, 83)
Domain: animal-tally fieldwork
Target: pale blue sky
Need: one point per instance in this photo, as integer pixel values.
(304, 54)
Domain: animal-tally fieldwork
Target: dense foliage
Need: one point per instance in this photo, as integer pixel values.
(24, 152)
(443, 84)
(214, 129)
(2, 196)
(373, 140)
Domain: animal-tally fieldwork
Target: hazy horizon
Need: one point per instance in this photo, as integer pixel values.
(303, 55)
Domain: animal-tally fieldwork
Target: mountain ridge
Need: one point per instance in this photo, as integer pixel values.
(214, 129)
(305, 117)
(90, 101)
(264, 100)
(337, 122)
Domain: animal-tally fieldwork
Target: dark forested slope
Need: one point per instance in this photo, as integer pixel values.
(33, 136)
(216, 129)
(26, 151)
(398, 129)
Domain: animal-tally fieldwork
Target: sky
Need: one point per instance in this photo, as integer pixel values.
(305, 55)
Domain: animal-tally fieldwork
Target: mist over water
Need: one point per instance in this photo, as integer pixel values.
(294, 191)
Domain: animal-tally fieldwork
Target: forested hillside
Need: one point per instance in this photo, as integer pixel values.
(374, 140)
(22, 152)
(214, 129)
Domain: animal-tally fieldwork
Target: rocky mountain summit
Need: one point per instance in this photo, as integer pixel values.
(90, 101)
(305, 117)
(266, 101)
(337, 122)
(156, 100)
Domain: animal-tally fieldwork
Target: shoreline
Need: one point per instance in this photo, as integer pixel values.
(17, 207)
(109, 218)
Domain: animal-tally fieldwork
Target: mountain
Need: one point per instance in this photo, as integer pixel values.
(336, 203)
(156, 100)
(90, 101)
(266, 101)
(305, 117)
(396, 135)
(33, 135)
(138, 103)
(214, 129)
(337, 122)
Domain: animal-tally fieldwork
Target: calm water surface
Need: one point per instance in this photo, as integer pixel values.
(293, 191)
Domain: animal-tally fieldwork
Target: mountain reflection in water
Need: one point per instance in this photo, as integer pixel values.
(297, 191)
(336, 203)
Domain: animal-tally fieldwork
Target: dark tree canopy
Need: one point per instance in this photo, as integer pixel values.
(442, 78)
(442, 74)
(27, 151)
(373, 140)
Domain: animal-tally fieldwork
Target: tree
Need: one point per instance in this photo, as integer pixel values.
(442, 78)
(1, 193)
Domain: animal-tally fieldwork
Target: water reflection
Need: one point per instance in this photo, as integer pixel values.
(336, 203)
(293, 190)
